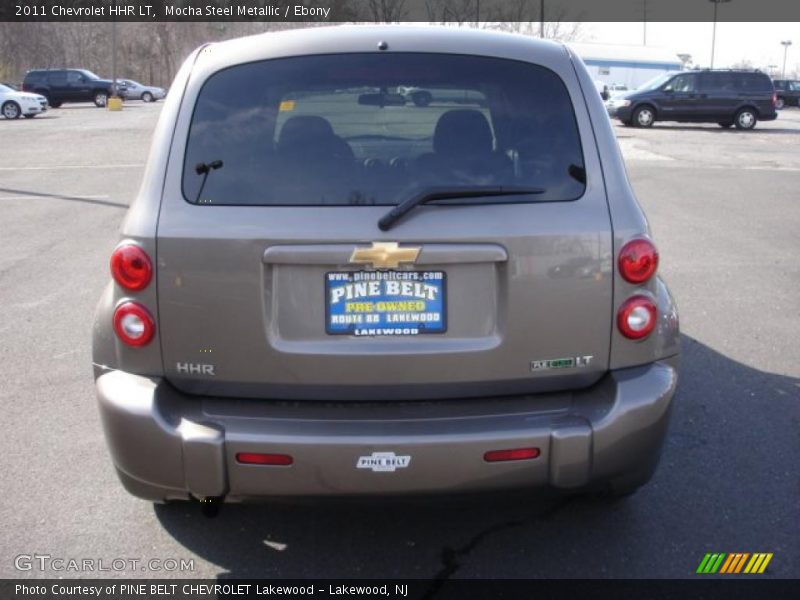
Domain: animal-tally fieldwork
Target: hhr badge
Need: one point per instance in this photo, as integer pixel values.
(386, 462)
(194, 368)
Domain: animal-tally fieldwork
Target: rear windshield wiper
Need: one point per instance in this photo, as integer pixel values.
(204, 169)
(451, 193)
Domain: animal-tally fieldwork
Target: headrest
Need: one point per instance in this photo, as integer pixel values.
(462, 132)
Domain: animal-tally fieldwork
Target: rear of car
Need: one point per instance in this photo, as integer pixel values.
(726, 97)
(328, 288)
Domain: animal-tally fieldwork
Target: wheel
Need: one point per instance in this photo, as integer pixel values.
(644, 116)
(100, 99)
(780, 103)
(421, 98)
(53, 103)
(11, 110)
(745, 119)
(726, 124)
(147, 97)
(29, 116)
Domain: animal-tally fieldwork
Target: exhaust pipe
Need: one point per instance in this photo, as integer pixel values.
(209, 506)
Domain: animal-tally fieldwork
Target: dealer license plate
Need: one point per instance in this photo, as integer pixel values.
(385, 303)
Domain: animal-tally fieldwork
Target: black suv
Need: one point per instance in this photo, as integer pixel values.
(788, 93)
(69, 85)
(727, 97)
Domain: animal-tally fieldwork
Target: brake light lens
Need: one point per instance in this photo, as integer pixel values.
(636, 318)
(134, 324)
(774, 99)
(515, 454)
(638, 260)
(131, 267)
(259, 458)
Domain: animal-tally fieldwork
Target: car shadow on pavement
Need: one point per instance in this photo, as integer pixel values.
(721, 130)
(727, 482)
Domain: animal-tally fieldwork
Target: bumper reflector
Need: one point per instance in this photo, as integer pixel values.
(258, 458)
(515, 454)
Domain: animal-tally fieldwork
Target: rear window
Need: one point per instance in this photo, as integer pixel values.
(755, 82)
(733, 81)
(373, 129)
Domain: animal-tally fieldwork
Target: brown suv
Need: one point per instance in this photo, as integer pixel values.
(326, 288)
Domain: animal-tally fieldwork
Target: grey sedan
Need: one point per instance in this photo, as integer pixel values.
(139, 91)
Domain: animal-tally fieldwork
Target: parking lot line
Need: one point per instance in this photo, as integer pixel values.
(56, 167)
(34, 196)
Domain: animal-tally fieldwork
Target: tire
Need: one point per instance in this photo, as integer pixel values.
(780, 103)
(745, 119)
(148, 97)
(726, 124)
(53, 104)
(11, 110)
(100, 99)
(421, 99)
(644, 116)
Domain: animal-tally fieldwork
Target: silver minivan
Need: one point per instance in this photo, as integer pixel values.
(324, 287)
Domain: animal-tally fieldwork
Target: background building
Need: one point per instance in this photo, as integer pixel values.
(626, 65)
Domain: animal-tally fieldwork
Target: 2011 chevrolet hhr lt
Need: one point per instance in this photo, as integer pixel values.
(383, 260)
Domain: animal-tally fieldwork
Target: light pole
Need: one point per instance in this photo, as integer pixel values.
(785, 44)
(541, 19)
(644, 23)
(714, 30)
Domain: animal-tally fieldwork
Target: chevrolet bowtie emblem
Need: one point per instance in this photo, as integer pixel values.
(384, 255)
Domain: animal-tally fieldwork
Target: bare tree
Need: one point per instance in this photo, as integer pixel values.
(743, 63)
(387, 11)
(525, 16)
(151, 52)
(459, 12)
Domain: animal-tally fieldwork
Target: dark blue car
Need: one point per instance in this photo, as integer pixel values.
(740, 98)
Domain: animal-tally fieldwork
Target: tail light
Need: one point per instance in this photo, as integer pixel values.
(774, 99)
(259, 458)
(134, 324)
(636, 318)
(638, 260)
(515, 454)
(131, 267)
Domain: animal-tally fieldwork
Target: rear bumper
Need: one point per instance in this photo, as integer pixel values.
(167, 445)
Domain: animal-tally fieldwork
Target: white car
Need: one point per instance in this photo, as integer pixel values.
(14, 104)
(138, 91)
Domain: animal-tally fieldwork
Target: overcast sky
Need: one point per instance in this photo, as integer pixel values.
(757, 42)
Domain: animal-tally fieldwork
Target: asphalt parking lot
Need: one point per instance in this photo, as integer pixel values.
(724, 207)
